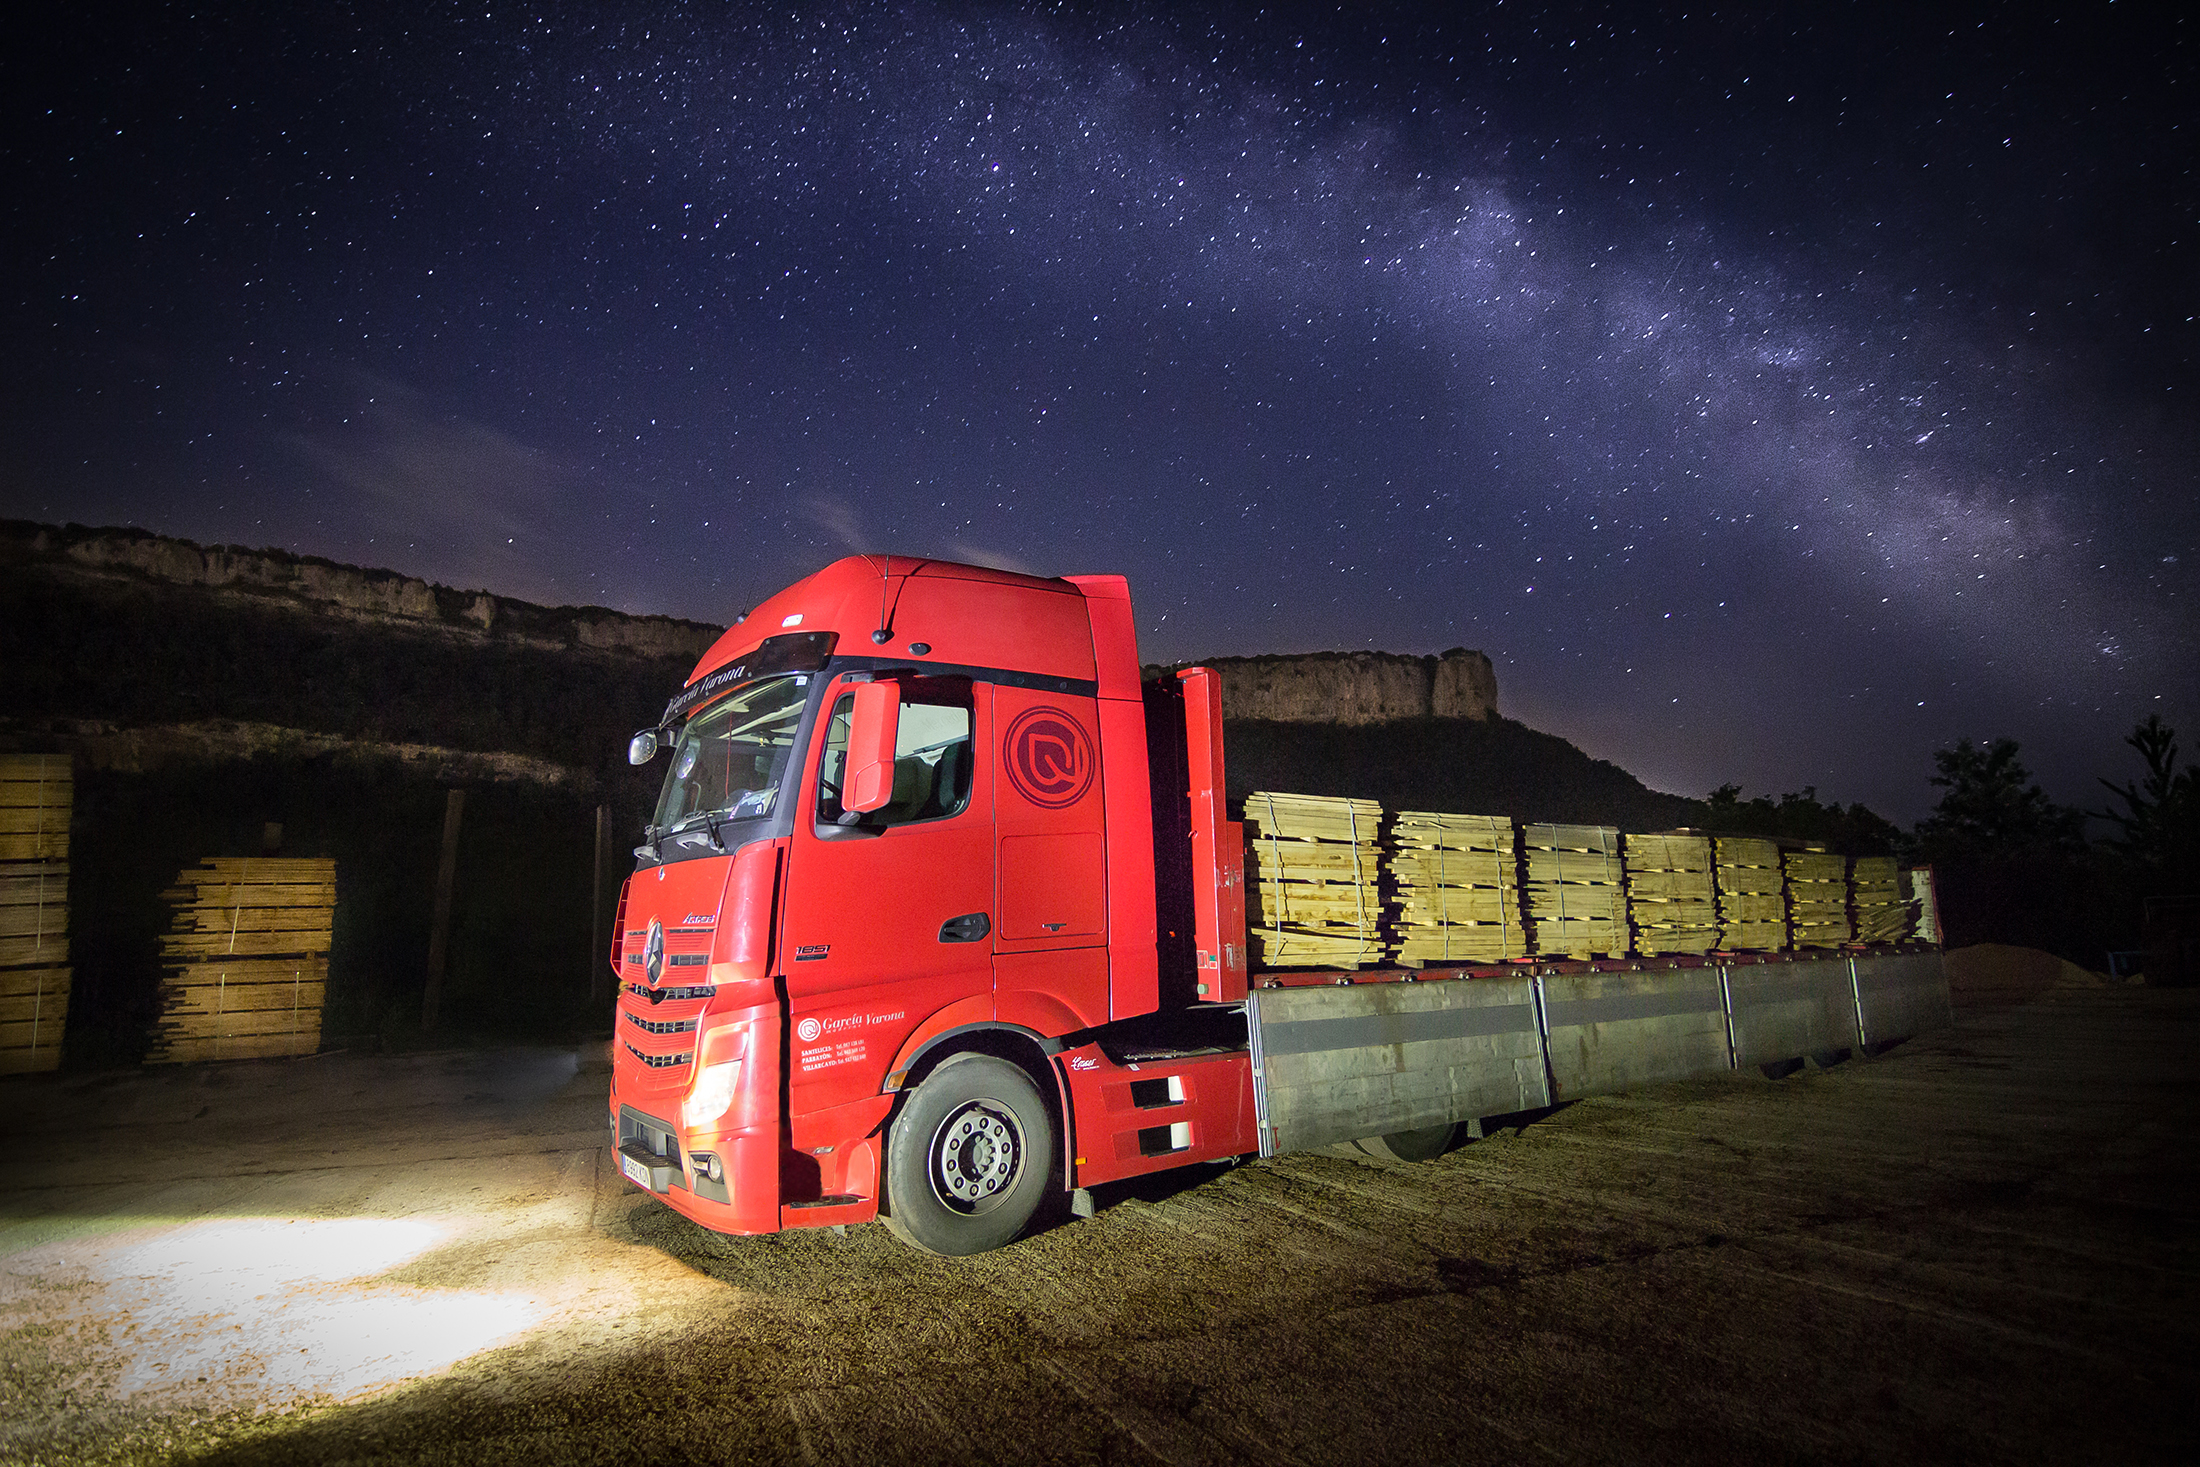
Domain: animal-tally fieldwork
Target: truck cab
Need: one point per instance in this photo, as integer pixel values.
(901, 863)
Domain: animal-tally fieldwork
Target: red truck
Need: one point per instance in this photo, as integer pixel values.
(941, 915)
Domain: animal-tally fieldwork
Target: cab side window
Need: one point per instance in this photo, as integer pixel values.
(932, 754)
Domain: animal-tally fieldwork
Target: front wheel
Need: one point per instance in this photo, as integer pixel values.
(969, 1158)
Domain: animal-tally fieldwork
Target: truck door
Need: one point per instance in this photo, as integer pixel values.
(888, 916)
(1052, 933)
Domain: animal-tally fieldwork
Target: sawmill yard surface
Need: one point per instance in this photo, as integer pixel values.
(1976, 1248)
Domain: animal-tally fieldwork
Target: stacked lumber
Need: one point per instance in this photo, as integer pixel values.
(1315, 869)
(1882, 914)
(1671, 897)
(37, 792)
(1577, 904)
(1458, 888)
(246, 962)
(1818, 898)
(1752, 899)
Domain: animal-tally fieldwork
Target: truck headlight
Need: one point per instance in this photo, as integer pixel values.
(710, 1095)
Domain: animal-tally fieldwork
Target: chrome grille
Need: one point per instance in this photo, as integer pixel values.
(639, 990)
(662, 1026)
(659, 1061)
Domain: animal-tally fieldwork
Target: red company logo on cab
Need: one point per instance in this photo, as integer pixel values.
(1048, 756)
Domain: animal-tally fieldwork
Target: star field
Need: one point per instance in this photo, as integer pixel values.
(1775, 396)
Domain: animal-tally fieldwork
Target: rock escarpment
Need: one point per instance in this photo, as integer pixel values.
(1354, 689)
(270, 578)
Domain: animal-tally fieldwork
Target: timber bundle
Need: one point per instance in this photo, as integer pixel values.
(1337, 883)
(1577, 906)
(1670, 895)
(1881, 913)
(37, 792)
(247, 960)
(1818, 898)
(1752, 895)
(1316, 899)
(1458, 885)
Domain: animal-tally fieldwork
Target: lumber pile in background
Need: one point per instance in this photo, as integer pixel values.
(1752, 896)
(1818, 898)
(37, 793)
(1882, 913)
(1671, 897)
(247, 960)
(1457, 880)
(1315, 895)
(1576, 904)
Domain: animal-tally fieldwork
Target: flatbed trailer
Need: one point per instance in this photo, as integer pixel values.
(942, 913)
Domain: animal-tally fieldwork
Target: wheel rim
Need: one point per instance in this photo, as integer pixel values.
(976, 1155)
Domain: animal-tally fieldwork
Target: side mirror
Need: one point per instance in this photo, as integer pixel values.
(642, 747)
(871, 736)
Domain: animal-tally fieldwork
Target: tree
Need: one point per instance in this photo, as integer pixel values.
(1993, 810)
(2160, 821)
(2009, 863)
(1853, 830)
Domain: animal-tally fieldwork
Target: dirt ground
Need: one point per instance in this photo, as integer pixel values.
(1976, 1248)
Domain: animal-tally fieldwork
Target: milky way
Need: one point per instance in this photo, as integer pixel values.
(1775, 403)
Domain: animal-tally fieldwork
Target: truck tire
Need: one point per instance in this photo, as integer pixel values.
(1424, 1143)
(969, 1159)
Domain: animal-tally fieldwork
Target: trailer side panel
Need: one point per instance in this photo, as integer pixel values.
(1618, 1031)
(1336, 1064)
(1900, 996)
(1785, 1011)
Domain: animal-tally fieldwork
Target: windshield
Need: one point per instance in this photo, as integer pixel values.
(730, 757)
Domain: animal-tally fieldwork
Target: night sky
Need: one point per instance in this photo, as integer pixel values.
(1776, 396)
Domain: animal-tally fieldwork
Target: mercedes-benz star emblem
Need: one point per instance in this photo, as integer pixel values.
(653, 956)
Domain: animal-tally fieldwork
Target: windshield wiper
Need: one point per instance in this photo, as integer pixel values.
(708, 819)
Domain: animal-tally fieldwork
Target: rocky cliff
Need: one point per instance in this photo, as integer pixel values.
(1354, 688)
(263, 579)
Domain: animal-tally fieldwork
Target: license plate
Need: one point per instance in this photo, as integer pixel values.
(635, 1171)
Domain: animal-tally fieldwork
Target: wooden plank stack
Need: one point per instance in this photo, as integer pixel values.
(1818, 898)
(37, 793)
(1882, 915)
(1316, 898)
(1752, 903)
(1577, 905)
(1457, 879)
(1671, 896)
(247, 959)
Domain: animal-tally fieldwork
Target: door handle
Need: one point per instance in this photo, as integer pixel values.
(969, 928)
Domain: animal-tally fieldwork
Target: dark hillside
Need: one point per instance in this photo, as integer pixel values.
(1475, 766)
(119, 647)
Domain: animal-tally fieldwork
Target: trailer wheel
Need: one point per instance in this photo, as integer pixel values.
(1424, 1143)
(969, 1158)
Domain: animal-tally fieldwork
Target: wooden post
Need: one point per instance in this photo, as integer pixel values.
(599, 985)
(439, 931)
